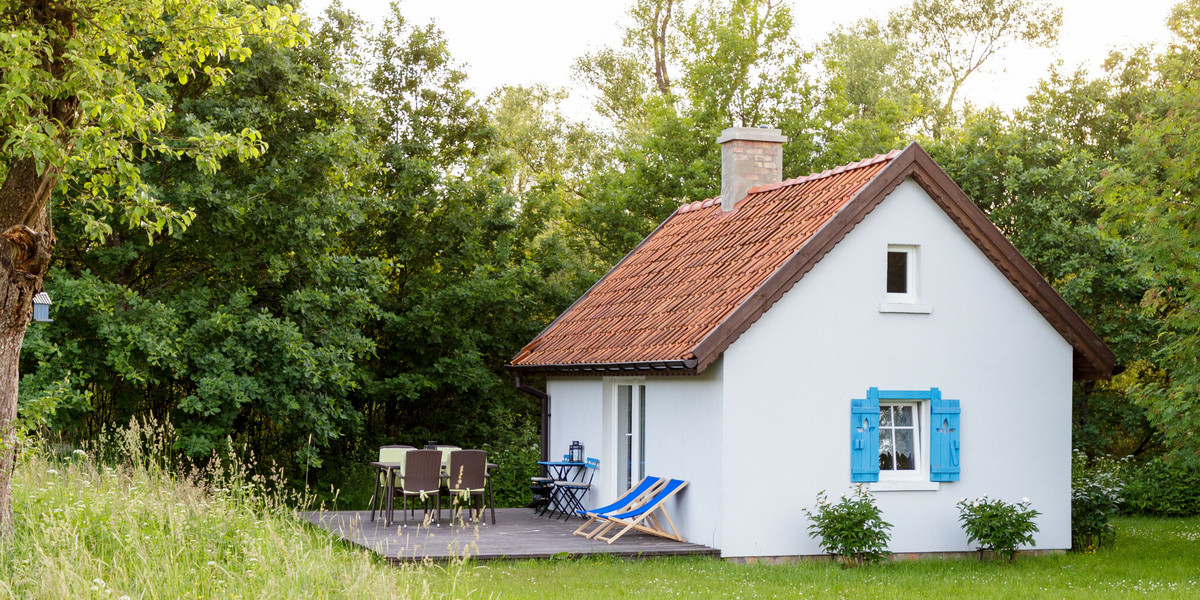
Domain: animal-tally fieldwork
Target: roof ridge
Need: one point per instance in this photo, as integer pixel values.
(767, 187)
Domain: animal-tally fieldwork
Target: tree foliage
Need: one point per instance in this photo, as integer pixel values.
(1152, 199)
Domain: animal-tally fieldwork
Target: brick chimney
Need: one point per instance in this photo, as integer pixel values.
(750, 156)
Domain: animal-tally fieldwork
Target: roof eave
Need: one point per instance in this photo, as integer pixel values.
(685, 366)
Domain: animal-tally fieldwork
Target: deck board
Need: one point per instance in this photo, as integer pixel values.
(517, 534)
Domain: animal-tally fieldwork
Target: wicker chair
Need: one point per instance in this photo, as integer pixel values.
(468, 477)
(421, 478)
(387, 454)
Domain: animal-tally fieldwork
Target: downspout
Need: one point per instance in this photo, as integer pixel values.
(545, 398)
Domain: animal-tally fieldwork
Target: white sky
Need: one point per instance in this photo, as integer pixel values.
(522, 42)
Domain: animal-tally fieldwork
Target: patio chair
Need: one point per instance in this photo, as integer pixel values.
(542, 489)
(468, 477)
(421, 479)
(630, 500)
(643, 518)
(568, 495)
(387, 454)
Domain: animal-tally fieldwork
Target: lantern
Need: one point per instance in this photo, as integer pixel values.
(576, 451)
(41, 307)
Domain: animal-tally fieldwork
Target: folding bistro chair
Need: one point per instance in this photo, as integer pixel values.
(421, 479)
(387, 454)
(568, 495)
(468, 477)
(630, 500)
(543, 489)
(643, 518)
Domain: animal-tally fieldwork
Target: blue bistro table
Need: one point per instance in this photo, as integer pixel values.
(559, 469)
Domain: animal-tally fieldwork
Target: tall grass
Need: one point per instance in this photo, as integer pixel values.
(130, 526)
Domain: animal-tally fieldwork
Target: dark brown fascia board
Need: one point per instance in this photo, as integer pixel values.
(915, 162)
(533, 342)
(685, 366)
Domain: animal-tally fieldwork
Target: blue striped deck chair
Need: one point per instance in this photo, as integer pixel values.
(645, 518)
(630, 500)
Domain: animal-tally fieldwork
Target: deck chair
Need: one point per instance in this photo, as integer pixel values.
(644, 517)
(628, 501)
(388, 454)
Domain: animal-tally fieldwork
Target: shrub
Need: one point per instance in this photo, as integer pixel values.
(997, 525)
(1162, 488)
(1095, 496)
(852, 529)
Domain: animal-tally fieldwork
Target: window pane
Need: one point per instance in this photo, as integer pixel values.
(903, 416)
(885, 416)
(624, 436)
(904, 450)
(897, 272)
(885, 450)
(641, 432)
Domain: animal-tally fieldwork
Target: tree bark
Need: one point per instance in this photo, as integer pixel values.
(25, 249)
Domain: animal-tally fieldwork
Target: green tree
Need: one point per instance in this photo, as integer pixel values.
(685, 72)
(956, 38)
(249, 324)
(86, 90)
(1152, 198)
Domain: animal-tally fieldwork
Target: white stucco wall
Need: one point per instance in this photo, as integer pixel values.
(789, 379)
(683, 440)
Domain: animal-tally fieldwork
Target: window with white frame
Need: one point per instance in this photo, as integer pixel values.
(900, 436)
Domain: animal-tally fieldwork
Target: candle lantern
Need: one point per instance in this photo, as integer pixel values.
(576, 451)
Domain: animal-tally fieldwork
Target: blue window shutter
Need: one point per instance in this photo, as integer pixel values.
(864, 438)
(943, 439)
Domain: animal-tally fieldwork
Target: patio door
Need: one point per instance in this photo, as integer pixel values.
(631, 435)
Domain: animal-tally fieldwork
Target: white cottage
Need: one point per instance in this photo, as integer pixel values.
(863, 324)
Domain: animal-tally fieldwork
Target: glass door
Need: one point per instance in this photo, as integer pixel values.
(631, 435)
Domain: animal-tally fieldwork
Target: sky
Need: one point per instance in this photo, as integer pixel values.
(522, 42)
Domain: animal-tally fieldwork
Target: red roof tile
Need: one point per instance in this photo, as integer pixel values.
(704, 276)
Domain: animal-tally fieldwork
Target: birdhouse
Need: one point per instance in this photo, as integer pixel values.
(41, 307)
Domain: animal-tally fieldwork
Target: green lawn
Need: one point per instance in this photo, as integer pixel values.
(88, 531)
(1157, 558)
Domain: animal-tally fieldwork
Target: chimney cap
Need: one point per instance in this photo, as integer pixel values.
(752, 134)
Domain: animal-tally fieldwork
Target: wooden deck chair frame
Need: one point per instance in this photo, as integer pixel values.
(633, 498)
(646, 521)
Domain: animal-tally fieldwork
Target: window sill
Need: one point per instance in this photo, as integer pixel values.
(897, 307)
(904, 486)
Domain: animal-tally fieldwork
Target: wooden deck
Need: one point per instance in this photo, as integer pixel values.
(517, 534)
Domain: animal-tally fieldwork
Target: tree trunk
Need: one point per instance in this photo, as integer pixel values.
(25, 249)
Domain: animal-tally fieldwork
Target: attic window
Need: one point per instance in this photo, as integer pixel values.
(901, 283)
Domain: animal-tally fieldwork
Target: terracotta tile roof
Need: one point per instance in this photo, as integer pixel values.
(695, 284)
(688, 276)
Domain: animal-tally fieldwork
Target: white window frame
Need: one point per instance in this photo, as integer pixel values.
(916, 479)
(908, 301)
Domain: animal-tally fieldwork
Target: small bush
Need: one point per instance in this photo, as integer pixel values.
(852, 529)
(997, 525)
(1095, 496)
(1162, 488)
